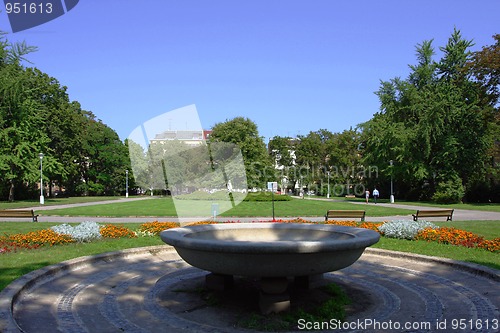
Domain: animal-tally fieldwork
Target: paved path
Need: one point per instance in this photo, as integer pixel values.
(145, 290)
(458, 215)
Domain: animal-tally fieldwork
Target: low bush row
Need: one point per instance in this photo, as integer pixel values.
(91, 231)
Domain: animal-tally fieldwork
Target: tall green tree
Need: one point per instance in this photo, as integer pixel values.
(432, 125)
(485, 70)
(244, 133)
(103, 159)
(21, 135)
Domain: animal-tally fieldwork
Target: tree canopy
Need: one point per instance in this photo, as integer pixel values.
(244, 133)
(80, 154)
(436, 132)
(436, 125)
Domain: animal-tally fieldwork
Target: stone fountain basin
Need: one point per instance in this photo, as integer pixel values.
(269, 249)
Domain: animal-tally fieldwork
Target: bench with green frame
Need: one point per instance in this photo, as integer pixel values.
(448, 213)
(19, 214)
(359, 214)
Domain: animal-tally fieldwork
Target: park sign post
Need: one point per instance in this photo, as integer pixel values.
(273, 187)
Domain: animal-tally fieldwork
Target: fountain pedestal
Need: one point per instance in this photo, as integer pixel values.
(273, 295)
(269, 251)
(219, 282)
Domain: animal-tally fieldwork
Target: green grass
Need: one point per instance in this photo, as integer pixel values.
(14, 265)
(487, 229)
(298, 207)
(487, 207)
(332, 306)
(165, 207)
(493, 207)
(477, 256)
(150, 207)
(52, 202)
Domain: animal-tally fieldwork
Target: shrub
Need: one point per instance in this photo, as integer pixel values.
(84, 232)
(404, 229)
(451, 191)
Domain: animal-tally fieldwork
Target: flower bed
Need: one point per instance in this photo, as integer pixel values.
(407, 229)
(33, 240)
(449, 235)
(91, 231)
(154, 228)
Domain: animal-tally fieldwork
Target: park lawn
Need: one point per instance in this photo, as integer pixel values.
(53, 201)
(165, 207)
(14, 265)
(302, 207)
(477, 256)
(487, 207)
(488, 229)
(152, 207)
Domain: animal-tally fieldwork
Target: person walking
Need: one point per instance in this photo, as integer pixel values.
(367, 195)
(375, 194)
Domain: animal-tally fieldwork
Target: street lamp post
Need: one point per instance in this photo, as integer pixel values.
(392, 191)
(328, 194)
(42, 199)
(126, 184)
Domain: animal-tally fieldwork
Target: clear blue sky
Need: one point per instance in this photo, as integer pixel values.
(290, 66)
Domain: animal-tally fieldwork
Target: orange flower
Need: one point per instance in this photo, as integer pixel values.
(157, 227)
(344, 223)
(115, 231)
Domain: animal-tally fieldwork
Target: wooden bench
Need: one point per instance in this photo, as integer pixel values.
(19, 213)
(448, 213)
(345, 213)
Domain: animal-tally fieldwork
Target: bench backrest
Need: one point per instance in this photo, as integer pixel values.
(345, 213)
(443, 212)
(17, 213)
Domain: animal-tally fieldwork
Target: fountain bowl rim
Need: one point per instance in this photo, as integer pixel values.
(182, 237)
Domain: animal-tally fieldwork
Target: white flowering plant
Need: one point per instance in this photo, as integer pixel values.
(84, 232)
(405, 229)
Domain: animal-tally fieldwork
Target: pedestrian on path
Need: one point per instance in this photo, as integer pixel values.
(375, 194)
(367, 195)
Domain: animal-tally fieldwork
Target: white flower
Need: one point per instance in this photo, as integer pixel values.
(405, 229)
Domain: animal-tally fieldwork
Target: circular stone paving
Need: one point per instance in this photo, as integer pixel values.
(153, 290)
